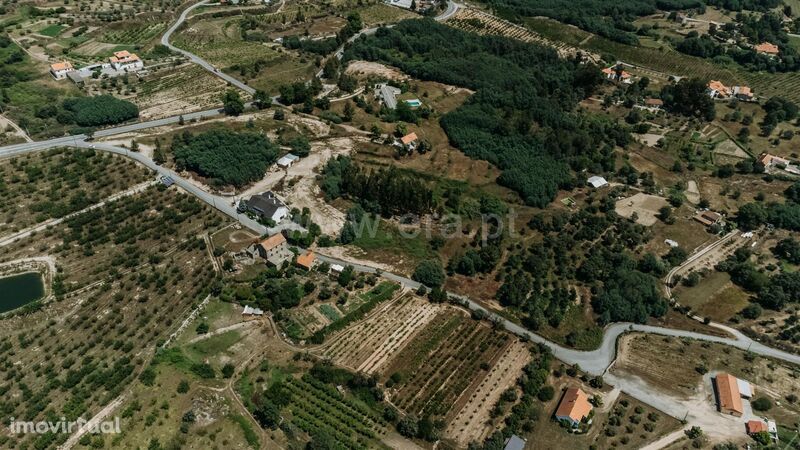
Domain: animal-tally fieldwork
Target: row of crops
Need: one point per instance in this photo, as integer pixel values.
(134, 35)
(450, 368)
(317, 407)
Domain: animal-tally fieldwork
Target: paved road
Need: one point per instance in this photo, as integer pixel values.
(596, 361)
(196, 59)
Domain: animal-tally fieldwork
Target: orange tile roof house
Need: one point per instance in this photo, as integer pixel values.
(718, 90)
(768, 49)
(708, 218)
(729, 400)
(409, 138)
(125, 60)
(574, 407)
(611, 74)
(306, 260)
(755, 426)
(770, 160)
(60, 70)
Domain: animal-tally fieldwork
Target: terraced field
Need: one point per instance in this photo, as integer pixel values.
(368, 345)
(178, 91)
(480, 22)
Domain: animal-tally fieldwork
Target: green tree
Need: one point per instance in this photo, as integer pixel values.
(233, 105)
(430, 273)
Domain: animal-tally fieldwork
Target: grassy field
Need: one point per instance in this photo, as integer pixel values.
(388, 244)
(52, 30)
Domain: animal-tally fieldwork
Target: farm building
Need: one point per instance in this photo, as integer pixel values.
(266, 206)
(766, 48)
(574, 407)
(708, 218)
(729, 400)
(306, 261)
(336, 269)
(274, 249)
(287, 161)
(60, 70)
(387, 95)
(654, 103)
(126, 61)
(405, 4)
(597, 182)
(249, 311)
(743, 93)
(514, 443)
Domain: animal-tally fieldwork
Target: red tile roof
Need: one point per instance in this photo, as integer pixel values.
(574, 405)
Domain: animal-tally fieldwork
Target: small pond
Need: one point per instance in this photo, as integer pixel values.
(19, 290)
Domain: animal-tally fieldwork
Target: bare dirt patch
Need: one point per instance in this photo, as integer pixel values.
(645, 206)
(364, 69)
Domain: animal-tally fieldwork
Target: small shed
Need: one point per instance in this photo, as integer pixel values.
(597, 181)
(745, 388)
(250, 311)
(287, 161)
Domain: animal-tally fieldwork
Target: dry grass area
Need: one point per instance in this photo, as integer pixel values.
(715, 296)
(176, 91)
(670, 365)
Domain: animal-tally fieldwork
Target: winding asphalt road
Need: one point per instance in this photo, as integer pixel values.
(595, 362)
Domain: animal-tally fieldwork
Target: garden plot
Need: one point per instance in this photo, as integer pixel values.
(728, 151)
(472, 414)
(368, 345)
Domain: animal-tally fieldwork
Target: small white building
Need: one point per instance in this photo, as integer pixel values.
(249, 311)
(60, 70)
(336, 269)
(287, 161)
(671, 243)
(597, 182)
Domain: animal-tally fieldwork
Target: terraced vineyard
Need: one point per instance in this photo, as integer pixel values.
(316, 407)
(135, 35)
(178, 91)
(480, 22)
(456, 351)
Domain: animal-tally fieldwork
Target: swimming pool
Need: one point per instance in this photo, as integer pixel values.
(414, 103)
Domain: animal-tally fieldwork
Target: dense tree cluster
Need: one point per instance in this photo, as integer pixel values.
(782, 215)
(772, 292)
(519, 119)
(539, 280)
(225, 156)
(689, 98)
(323, 46)
(99, 110)
(389, 191)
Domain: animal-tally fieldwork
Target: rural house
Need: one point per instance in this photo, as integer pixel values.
(266, 206)
(767, 48)
(718, 90)
(574, 407)
(127, 61)
(614, 74)
(770, 161)
(408, 141)
(729, 399)
(60, 70)
(274, 249)
(306, 260)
